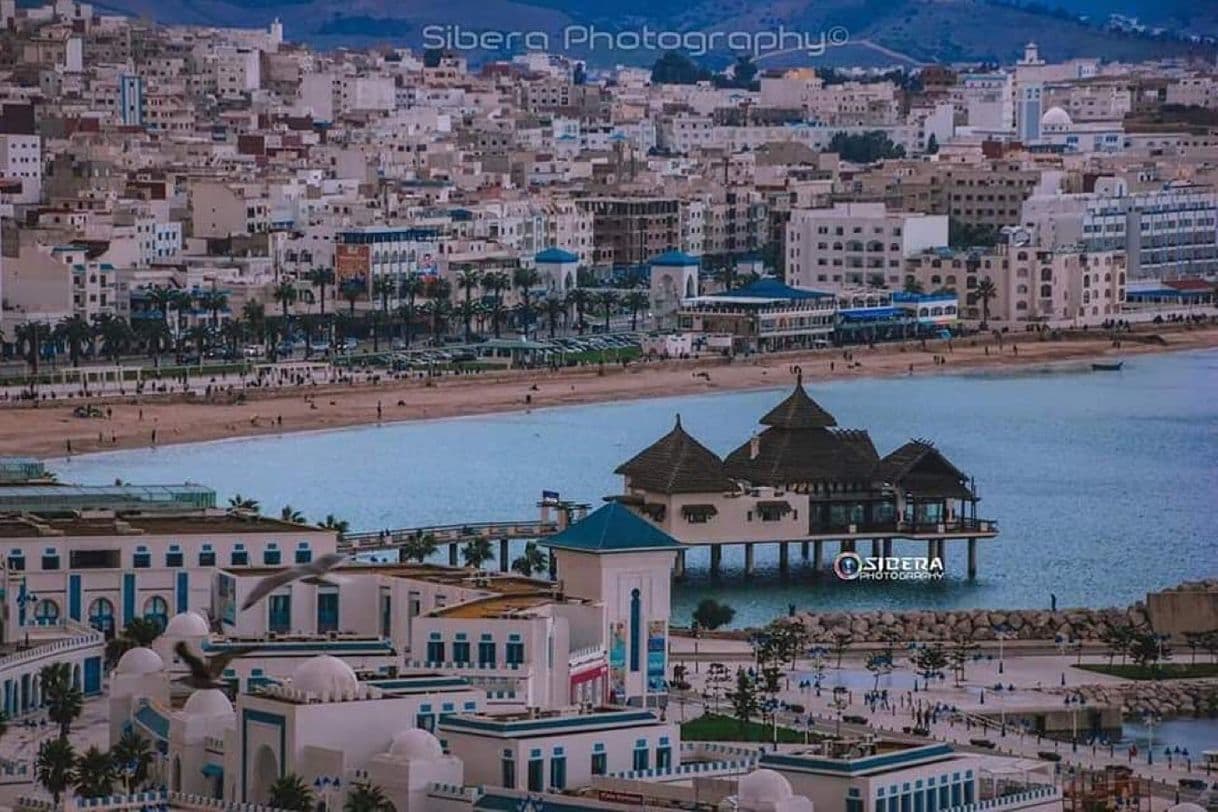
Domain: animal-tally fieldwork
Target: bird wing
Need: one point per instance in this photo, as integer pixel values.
(325, 563)
(268, 585)
(197, 667)
(218, 663)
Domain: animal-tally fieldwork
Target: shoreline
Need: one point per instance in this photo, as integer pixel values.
(44, 431)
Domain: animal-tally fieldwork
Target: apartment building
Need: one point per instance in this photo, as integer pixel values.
(855, 244)
(1167, 233)
(21, 162)
(630, 230)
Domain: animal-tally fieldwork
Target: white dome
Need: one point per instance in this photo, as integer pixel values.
(138, 661)
(325, 676)
(763, 787)
(1056, 117)
(187, 624)
(416, 744)
(209, 702)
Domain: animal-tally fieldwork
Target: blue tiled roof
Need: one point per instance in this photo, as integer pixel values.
(773, 289)
(556, 255)
(612, 529)
(678, 259)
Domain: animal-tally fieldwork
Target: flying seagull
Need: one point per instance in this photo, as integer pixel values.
(206, 673)
(269, 584)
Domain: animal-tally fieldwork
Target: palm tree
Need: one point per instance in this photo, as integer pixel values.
(477, 552)
(467, 279)
(440, 307)
(579, 299)
(607, 300)
(495, 283)
(254, 314)
(524, 280)
(154, 335)
(75, 332)
(140, 632)
(532, 560)
(95, 774)
(419, 548)
(291, 792)
(200, 336)
(133, 758)
(239, 502)
(116, 335)
(55, 767)
(182, 302)
(214, 301)
(320, 279)
(986, 290)
(636, 300)
(285, 294)
(352, 289)
(554, 307)
(30, 336)
(291, 514)
(412, 286)
(913, 285)
(63, 698)
(337, 525)
(366, 797)
(382, 288)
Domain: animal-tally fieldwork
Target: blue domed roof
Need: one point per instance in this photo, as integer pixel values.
(678, 259)
(555, 255)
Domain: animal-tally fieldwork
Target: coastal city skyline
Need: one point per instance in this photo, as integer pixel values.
(547, 405)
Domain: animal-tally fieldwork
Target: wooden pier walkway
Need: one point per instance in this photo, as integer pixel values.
(452, 535)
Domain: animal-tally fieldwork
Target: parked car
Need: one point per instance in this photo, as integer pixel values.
(986, 743)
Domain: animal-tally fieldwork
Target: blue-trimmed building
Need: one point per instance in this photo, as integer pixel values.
(764, 316)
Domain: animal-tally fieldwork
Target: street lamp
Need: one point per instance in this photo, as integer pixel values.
(1002, 632)
(839, 705)
(24, 599)
(1150, 720)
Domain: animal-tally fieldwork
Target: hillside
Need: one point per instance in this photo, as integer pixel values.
(881, 32)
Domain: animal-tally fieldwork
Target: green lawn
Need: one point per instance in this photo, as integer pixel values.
(1163, 671)
(713, 728)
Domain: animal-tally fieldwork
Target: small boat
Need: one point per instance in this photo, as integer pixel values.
(1114, 366)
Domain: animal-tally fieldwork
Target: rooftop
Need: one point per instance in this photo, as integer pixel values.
(612, 528)
(200, 523)
(676, 463)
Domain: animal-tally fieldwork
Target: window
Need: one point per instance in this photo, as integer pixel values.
(156, 610)
(461, 651)
(101, 615)
(95, 559)
(507, 769)
(207, 556)
(635, 628)
(537, 768)
(280, 613)
(558, 769)
(270, 556)
(16, 560)
(663, 756)
(142, 558)
(641, 760)
(173, 558)
(600, 762)
(486, 653)
(50, 559)
(240, 556)
(435, 651)
(303, 554)
(327, 611)
(513, 653)
(425, 719)
(46, 613)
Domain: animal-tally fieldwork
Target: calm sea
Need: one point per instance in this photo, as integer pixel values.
(1104, 483)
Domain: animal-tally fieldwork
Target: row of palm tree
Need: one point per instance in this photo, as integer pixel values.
(95, 772)
(401, 309)
(292, 793)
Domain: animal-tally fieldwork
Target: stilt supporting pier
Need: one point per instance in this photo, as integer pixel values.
(847, 546)
(748, 558)
(452, 554)
(888, 548)
(678, 567)
(783, 553)
(934, 550)
(553, 566)
(803, 550)
(716, 556)
(972, 559)
(875, 548)
(818, 556)
(504, 564)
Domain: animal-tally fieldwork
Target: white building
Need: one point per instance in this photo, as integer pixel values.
(21, 160)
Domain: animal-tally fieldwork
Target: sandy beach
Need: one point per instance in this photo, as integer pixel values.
(47, 429)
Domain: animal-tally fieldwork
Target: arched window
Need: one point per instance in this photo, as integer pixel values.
(936, 280)
(636, 631)
(1021, 289)
(101, 615)
(1046, 274)
(1022, 255)
(1046, 291)
(950, 280)
(46, 613)
(156, 609)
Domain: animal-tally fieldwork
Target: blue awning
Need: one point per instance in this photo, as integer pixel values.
(871, 314)
(212, 770)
